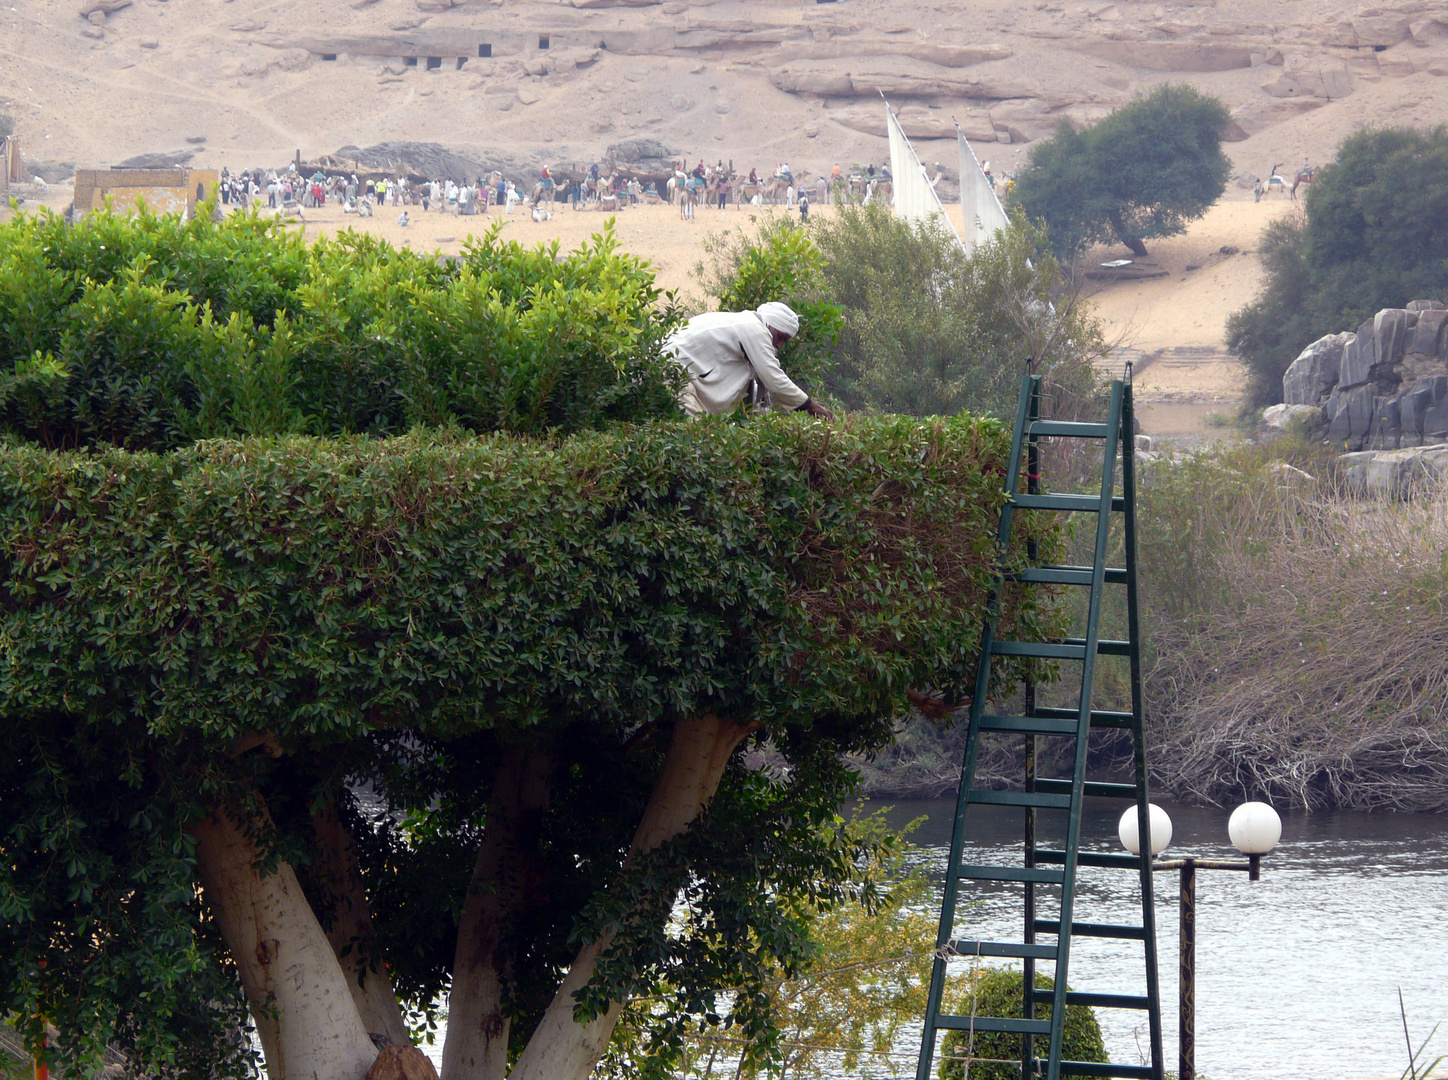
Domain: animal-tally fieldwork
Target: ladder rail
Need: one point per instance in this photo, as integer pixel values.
(1138, 728)
(1088, 672)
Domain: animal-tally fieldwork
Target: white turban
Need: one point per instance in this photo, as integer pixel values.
(779, 317)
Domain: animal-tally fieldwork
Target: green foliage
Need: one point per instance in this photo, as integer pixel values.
(1143, 172)
(7, 125)
(1373, 237)
(402, 609)
(845, 1002)
(929, 330)
(1269, 332)
(156, 332)
(779, 262)
(996, 1055)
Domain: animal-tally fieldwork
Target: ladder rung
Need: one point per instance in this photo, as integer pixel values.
(1028, 725)
(1068, 575)
(1008, 949)
(1108, 859)
(1008, 1024)
(1048, 650)
(1011, 873)
(1065, 429)
(1039, 800)
(1097, 1001)
(1088, 929)
(1103, 718)
(1091, 787)
(1104, 646)
(1094, 1068)
(1090, 504)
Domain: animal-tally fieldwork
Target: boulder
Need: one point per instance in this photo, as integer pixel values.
(1279, 417)
(1311, 377)
(1430, 335)
(1329, 83)
(1357, 358)
(1350, 415)
(1393, 473)
(1390, 333)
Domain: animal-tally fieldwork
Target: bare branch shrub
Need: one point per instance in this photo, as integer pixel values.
(1299, 636)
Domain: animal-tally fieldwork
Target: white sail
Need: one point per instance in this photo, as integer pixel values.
(915, 198)
(983, 214)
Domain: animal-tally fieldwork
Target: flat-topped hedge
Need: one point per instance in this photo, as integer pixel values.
(774, 570)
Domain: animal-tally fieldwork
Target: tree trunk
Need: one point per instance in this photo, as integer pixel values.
(287, 966)
(477, 1031)
(351, 931)
(561, 1048)
(1133, 243)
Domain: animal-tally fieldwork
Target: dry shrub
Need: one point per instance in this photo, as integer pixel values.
(1298, 636)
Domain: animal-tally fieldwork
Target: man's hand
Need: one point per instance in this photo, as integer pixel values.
(814, 408)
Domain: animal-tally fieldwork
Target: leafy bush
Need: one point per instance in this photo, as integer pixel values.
(923, 329)
(1144, 171)
(997, 992)
(1373, 236)
(151, 332)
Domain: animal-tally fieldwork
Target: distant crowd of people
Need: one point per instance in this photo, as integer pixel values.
(289, 190)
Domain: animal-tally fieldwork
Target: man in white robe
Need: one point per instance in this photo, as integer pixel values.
(724, 352)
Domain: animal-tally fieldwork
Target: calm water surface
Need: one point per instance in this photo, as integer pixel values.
(1297, 974)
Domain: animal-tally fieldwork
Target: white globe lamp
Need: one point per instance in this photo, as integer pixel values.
(1254, 828)
(1130, 834)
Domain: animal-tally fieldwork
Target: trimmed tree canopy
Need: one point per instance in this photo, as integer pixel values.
(1143, 172)
(441, 616)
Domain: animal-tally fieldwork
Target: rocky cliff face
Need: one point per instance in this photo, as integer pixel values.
(758, 81)
(1384, 387)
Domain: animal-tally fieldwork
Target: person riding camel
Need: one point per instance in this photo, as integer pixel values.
(753, 176)
(699, 170)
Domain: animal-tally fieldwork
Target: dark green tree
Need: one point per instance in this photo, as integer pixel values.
(1142, 172)
(1374, 235)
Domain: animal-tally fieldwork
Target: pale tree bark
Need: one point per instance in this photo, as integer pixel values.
(287, 965)
(477, 1031)
(561, 1048)
(351, 930)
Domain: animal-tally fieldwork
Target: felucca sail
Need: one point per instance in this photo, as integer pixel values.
(978, 203)
(915, 198)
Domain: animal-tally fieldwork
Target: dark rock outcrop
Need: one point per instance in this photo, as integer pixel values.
(1384, 387)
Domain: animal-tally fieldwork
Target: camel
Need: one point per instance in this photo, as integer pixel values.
(1275, 181)
(1303, 177)
(544, 189)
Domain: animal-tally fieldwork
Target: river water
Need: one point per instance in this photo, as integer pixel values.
(1297, 974)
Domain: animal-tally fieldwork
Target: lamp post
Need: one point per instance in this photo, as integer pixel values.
(1254, 829)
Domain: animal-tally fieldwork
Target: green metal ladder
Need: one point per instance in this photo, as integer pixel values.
(1042, 867)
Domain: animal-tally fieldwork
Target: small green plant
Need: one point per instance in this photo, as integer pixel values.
(996, 1055)
(1414, 1071)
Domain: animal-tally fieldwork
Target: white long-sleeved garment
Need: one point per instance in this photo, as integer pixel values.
(723, 351)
